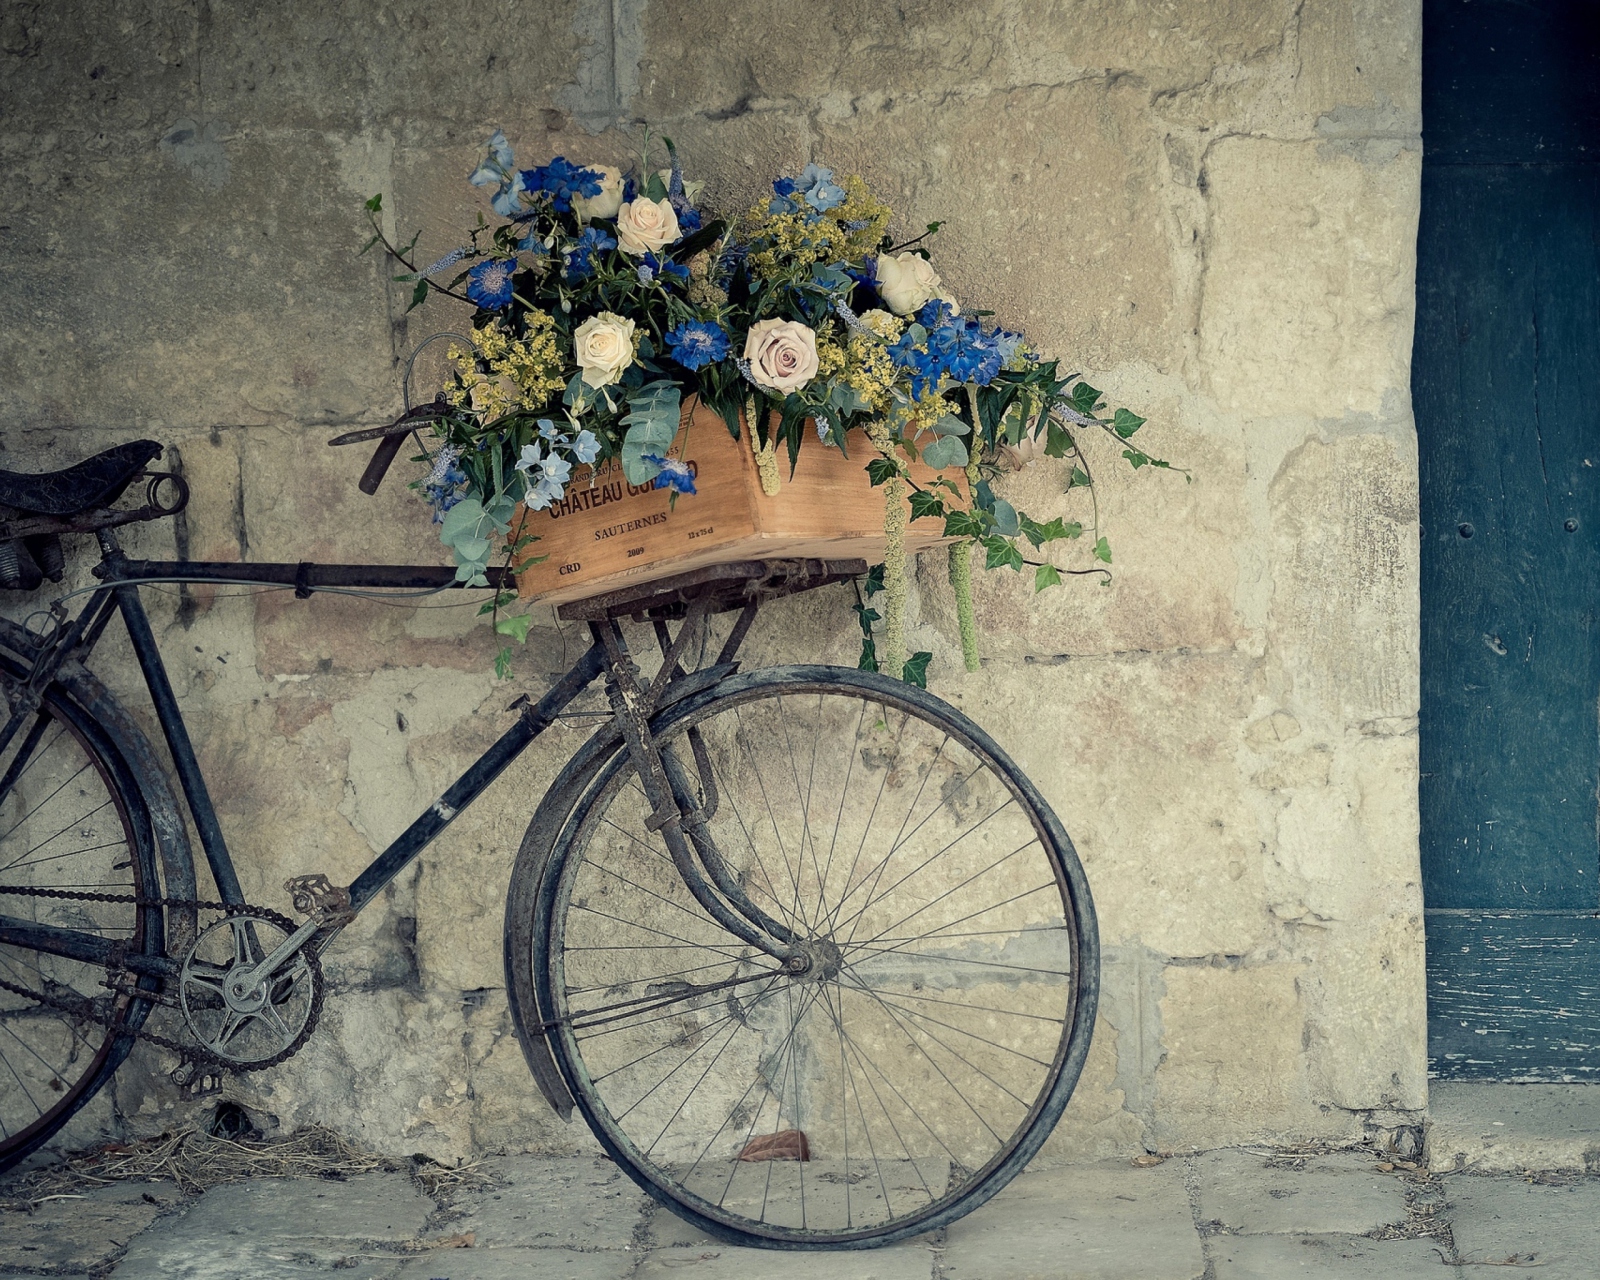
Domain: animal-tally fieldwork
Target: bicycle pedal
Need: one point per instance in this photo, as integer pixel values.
(318, 897)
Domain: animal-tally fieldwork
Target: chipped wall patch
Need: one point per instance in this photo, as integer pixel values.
(198, 150)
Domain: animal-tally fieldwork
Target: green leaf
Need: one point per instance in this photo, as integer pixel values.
(1102, 551)
(1125, 422)
(1001, 552)
(964, 524)
(1080, 478)
(655, 189)
(370, 243)
(874, 580)
(1136, 459)
(880, 470)
(945, 451)
(916, 669)
(419, 295)
(1005, 519)
(924, 503)
(375, 204)
(1057, 441)
(1084, 398)
(869, 655)
(1046, 575)
(514, 625)
(502, 663)
(950, 425)
(652, 422)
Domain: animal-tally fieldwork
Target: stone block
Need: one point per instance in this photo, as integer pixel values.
(1321, 1257)
(576, 1202)
(1511, 1223)
(1209, 1088)
(518, 1264)
(85, 1230)
(1255, 1194)
(911, 1260)
(1309, 275)
(1086, 1222)
(1485, 1126)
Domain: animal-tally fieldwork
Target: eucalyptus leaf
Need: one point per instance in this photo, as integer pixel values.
(1005, 519)
(946, 451)
(651, 422)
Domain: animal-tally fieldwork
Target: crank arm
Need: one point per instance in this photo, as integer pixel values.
(282, 953)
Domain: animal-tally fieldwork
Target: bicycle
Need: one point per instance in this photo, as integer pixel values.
(814, 960)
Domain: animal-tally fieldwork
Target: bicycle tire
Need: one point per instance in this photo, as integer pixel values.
(53, 1063)
(576, 964)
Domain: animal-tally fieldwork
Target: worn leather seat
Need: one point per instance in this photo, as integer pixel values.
(94, 482)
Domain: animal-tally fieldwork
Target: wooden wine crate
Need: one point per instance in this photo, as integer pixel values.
(606, 532)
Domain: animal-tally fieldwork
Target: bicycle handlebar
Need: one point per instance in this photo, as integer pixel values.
(382, 457)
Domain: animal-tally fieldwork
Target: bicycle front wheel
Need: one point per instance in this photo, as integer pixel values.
(936, 1036)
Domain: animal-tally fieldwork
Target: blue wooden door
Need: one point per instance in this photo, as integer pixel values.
(1506, 389)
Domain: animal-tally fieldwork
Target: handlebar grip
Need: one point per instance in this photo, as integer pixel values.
(382, 456)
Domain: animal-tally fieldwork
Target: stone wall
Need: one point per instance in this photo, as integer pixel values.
(1207, 205)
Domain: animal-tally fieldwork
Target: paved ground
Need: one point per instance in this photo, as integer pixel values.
(1224, 1215)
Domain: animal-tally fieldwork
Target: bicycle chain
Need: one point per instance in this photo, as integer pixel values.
(194, 1054)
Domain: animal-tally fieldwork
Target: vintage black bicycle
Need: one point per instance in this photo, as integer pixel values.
(814, 959)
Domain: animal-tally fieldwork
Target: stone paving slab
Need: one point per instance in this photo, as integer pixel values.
(1342, 1193)
(1081, 1222)
(1554, 1230)
(1327, 1257)
(83, 1231)
(906, 1261)
(582, 1202)
(518, 1264)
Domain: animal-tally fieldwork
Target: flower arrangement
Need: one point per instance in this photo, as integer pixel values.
(604, 300)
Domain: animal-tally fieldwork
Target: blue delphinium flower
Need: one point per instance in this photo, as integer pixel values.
(441, 487)
(547, 476)
(654, 268)
(1007, 343)
(689, 220)
(673, 474)
(489, 283)
(586, 448)
(922, 365)
(561, 180)
(496, 171)
(697, 343)
(817, 187)
(935, 312)
(965, 352)
(580, 257)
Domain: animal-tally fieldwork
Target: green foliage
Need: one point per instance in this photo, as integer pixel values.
(915, 670)
(654, 411)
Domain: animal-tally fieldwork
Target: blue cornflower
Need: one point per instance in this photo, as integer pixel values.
(580, 257)
(561, 180)
(673, 474)
(495, 171)
(965, 352)
(489, 283)
(697, 343)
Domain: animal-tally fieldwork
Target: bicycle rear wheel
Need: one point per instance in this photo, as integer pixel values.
(71, 819)
(935, 1039)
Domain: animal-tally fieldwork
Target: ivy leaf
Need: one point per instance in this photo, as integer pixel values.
(1125, 422)
(1057, 441)
(946, 451)
(502, 663)
(881, 470)
(1005, 518)
(1046, 575)
(1135, 458)
(1084, 398)
(1001, 552)
(369, 244)
(1080, 478)
(916, 669)
(869, 655)
(963, 524)
(1102, 551)
(515, 625)
(419, 295)
(375, 204)
(652, 422)
(924, 504)
(874, 581)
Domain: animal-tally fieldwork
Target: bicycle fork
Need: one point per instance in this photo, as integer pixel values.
(678, 813)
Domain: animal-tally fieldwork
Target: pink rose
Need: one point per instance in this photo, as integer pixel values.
(782, 355)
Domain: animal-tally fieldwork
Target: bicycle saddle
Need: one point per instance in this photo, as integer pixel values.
(94, 482)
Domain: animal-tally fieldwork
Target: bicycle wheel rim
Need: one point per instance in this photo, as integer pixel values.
(35, 1058)
(1045, 1094)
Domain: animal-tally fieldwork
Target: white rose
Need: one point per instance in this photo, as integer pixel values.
(603, 346)
(882, 323)
(691, 190)
(646, 226)
(906, 281)
(782, 354)
(606, 204)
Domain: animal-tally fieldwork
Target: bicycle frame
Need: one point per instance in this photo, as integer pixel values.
(607, 655)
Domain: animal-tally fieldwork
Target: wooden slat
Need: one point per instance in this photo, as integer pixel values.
(1513, 995)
